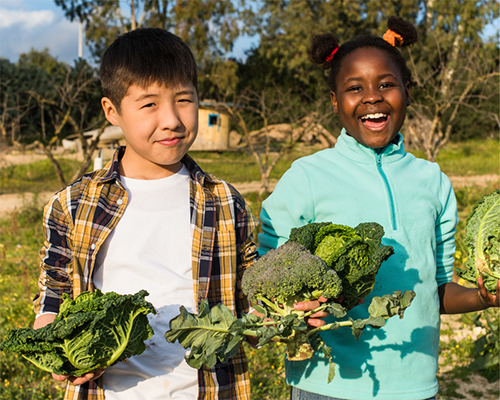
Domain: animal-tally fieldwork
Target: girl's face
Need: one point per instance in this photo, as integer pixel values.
(370, 97)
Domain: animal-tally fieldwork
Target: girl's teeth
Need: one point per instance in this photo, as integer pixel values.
(373, 116)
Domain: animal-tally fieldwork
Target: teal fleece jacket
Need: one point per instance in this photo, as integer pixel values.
(415, 203)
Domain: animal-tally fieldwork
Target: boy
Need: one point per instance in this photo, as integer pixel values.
(151, 219)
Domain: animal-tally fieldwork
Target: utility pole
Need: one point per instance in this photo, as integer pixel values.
(80, 40)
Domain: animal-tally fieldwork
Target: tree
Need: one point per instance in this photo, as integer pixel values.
(449, 65)
(74, 109)
(285, 27)
(208, 26)
(274, 111)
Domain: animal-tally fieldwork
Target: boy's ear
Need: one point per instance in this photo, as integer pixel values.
(333, 98)
(110, 111)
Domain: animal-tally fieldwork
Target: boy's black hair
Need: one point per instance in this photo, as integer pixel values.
(142, 57)
(324, 45)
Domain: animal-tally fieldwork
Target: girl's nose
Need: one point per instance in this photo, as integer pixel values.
(372, 96)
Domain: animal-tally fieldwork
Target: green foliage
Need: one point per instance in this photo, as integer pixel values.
(486, 355)
(93, 331)
(215, 335)
(482, 238)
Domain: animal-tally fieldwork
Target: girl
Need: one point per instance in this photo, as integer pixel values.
(368, 177)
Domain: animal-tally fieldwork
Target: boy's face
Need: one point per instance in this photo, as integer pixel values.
(159, 123)
(370, 97)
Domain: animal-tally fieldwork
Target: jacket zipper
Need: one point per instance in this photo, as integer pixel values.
(390, 195)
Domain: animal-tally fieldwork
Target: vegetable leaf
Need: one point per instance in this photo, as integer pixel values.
(93, 331)
(482, 238)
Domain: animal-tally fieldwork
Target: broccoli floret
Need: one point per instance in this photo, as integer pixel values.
(306, 234)
(289, 274)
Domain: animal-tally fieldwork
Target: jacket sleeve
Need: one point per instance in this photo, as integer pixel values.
(55, 259)
(446, 228)
(290, 205)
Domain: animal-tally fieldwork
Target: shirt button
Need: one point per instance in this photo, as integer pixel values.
(120, 202)
(92, 246)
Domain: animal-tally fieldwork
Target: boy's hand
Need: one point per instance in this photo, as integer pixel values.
(315, 320)
(79, 380)
(487, 299)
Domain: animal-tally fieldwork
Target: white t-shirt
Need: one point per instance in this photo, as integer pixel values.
(151, 249)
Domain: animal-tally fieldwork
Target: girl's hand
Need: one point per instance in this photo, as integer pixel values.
(314, 320)
(487, 299)
(79, 380)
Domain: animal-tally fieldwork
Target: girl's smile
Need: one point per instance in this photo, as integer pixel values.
(370, 97)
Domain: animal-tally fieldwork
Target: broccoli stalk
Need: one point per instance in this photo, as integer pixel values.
(215, 334)
(282, 277)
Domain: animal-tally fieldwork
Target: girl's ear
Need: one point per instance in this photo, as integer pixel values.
(333, 98)
(110, 111)
(408, 97)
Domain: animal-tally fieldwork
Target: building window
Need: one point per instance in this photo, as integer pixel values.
(213, 119)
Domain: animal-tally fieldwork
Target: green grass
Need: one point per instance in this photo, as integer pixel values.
(34, 177)
(474, 157)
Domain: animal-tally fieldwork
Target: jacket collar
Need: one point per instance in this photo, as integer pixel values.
(351, 148)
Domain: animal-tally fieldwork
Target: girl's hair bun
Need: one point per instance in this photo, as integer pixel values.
(322, 48)
(403, 28)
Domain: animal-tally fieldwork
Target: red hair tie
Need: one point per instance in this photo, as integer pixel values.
(330, 57)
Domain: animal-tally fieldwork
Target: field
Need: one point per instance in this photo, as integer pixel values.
(21, 237)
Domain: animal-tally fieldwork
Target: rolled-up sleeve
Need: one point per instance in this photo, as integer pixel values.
(55, 259)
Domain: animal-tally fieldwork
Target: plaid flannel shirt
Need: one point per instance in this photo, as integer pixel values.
(78, 219)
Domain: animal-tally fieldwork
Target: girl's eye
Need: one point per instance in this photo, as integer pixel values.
(386, 85)
(354, 89)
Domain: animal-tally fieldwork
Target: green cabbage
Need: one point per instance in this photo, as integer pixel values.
(93, 331)
(482, 238)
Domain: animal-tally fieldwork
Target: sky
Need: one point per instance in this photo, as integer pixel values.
(40, 24)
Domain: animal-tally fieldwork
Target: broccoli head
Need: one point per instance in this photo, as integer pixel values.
(289, 274)
(355, 254)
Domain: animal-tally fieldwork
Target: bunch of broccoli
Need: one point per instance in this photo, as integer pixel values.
(319, 259)
(355, 254)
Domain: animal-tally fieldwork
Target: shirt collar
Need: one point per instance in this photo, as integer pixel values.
(111, 171)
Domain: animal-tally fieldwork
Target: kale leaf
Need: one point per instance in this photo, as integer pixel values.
(482, 238)
(93, 331)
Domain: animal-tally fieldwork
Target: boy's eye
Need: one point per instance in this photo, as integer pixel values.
(148, 105)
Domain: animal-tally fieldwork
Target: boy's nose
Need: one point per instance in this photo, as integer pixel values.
(169, 120)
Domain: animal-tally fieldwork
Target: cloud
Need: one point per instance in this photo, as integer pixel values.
(27, 20)
(21, 31)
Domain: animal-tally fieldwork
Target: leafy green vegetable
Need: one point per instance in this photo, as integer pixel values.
(215, 334)
(93, 331)
(356, 254)
(289, 274)
(482, 238)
